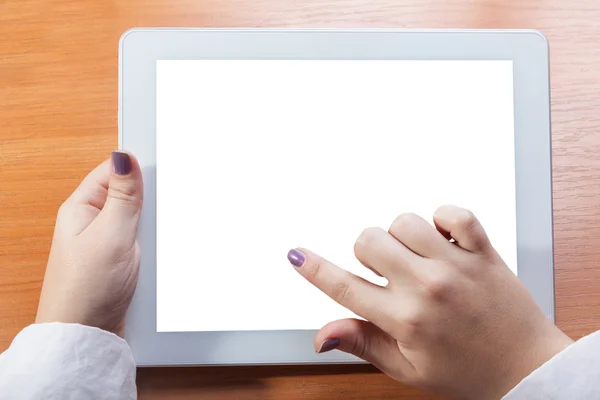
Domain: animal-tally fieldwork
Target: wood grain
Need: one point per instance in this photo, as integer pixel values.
(58, 107)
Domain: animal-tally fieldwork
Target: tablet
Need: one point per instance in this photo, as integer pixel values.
(256, 141)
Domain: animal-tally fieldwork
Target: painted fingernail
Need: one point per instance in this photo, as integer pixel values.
(328, 345)
(121, 163)
(296, 257)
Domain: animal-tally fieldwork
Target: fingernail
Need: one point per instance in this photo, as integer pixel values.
(121, 163)
(296, 257)
(328, 345)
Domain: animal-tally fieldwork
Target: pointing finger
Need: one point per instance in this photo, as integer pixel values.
(356, 294)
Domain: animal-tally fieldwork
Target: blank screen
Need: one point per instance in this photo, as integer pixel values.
(255, 157)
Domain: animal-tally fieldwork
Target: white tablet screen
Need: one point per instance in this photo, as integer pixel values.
(257, 157)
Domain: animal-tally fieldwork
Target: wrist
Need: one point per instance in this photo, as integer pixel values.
(526, 360)
(115, 325)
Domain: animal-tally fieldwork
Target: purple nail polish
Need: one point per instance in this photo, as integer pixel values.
(328, 345)
(296, 257)
(121, 163)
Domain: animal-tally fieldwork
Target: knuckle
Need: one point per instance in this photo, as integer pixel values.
(341, 292)
(443, 209)
(313, 269)
(467, 220)
(359, 348)
(404, 222)
(436, 291)
(438, 285)
(436, 288)
(413, 323)
(63, 209)
(124, 193)
(365, 240)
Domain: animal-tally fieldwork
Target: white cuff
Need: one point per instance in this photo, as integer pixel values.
(67, 361)
(574, 373)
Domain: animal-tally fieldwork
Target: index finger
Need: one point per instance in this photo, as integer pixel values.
(360, 296)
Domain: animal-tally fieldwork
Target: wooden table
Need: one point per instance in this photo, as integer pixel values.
(58, 119)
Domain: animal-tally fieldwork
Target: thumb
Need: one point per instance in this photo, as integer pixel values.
(366, 341)
(121, 212)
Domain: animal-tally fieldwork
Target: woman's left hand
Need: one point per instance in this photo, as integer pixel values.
(93, 265)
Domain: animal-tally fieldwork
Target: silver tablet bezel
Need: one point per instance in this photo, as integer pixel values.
(140, 49)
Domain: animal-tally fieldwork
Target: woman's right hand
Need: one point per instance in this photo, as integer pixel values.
(453, 318)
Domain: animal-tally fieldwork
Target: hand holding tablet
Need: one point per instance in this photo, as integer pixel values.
(452, 319)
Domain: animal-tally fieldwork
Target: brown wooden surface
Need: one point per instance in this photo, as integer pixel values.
(58, 107)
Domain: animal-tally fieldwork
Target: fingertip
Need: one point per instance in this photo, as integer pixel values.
(463, 226)
(442, 228)
(126, 170)
(123, 163)
(300, 257)
(442, 212)
(328, 345)
(125, 187)
(341, 330)
(364, 340)
(296, 257)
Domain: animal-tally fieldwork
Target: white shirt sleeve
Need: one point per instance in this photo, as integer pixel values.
(67, 361)
(70, 361)
(572, 374)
